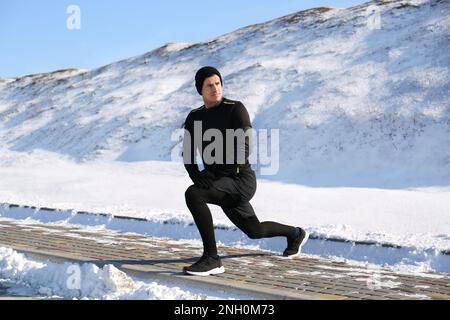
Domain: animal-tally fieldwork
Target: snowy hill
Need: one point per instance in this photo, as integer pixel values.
(356, 105)
(363, 108)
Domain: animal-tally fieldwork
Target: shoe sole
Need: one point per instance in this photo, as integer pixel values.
(206, 273)
(305, 239)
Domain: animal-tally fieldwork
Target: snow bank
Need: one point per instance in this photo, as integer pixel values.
(86, 281)
(154, 190)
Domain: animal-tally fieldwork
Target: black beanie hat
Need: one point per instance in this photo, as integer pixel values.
(204, 73)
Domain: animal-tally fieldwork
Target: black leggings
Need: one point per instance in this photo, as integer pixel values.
(196, 200)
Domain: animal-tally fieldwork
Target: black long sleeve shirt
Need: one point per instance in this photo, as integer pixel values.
(228, 114)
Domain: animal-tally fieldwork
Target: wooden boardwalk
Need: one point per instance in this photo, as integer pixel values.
(252, 273)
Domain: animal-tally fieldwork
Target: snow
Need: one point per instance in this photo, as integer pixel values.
(55, 281)
(364, 129)
(141, 190)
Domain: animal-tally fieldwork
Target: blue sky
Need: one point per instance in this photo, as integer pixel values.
(34, 37)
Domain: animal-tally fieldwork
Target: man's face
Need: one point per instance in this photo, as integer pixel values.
(212, 90)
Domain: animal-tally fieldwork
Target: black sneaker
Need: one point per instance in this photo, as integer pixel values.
(295, 245)
(206, 266)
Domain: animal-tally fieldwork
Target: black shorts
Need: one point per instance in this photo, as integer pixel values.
(241, 188)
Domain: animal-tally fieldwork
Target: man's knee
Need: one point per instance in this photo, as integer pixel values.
(192, 194)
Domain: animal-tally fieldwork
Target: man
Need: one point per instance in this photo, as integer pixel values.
(228, 182)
